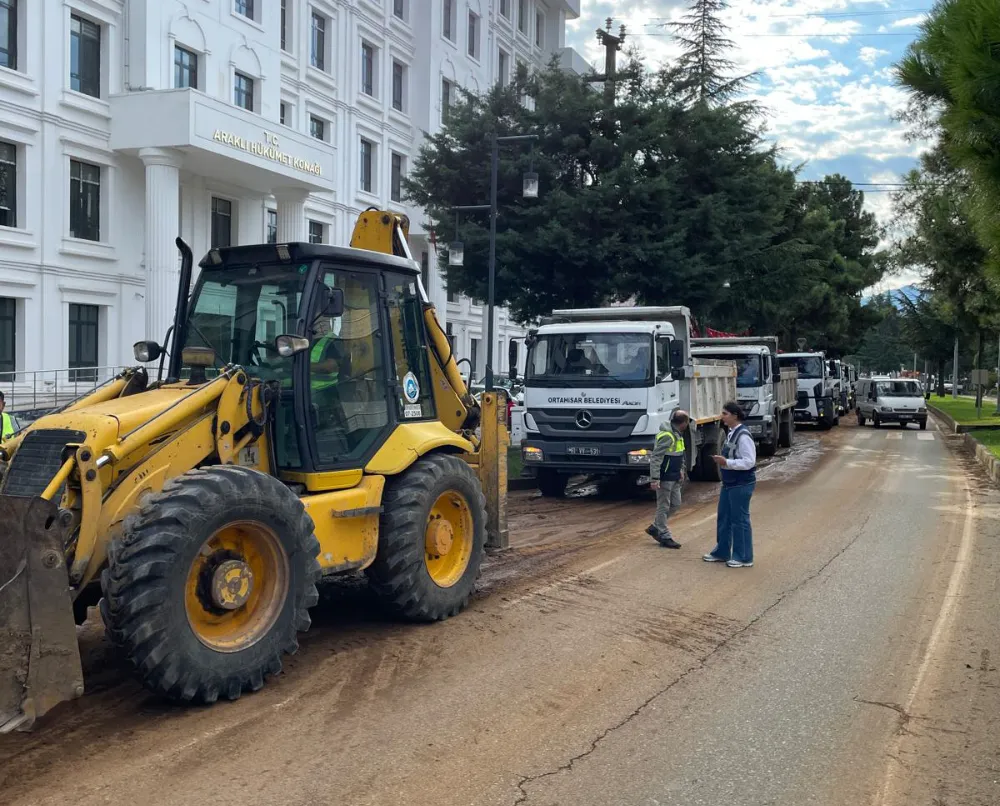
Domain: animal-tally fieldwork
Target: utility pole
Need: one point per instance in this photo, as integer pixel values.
(612, 44)
(954, 372)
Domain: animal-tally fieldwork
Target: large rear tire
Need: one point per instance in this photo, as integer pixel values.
(211, 582)
(707, 469)
(770, 447)
(431, 539)
(552, 484)
(786, 432)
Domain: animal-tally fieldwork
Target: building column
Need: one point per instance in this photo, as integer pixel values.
(162, 227)
(291, 214)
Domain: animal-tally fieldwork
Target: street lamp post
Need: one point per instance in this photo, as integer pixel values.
(529, 190)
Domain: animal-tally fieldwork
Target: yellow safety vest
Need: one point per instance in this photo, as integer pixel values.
(315, 356)
(676, 443)
(6, 426)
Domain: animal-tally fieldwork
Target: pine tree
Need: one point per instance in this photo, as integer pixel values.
(704, 64)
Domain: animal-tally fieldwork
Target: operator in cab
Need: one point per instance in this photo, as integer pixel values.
(6, 421)
(666, 470)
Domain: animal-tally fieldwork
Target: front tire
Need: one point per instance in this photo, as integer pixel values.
(552, 484)
(210, 583)
(431, 540)
(861, 419)
(923, 425)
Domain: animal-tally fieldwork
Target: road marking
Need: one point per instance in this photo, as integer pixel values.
(896, 435)
(944, 618)
(925, 437)
(865, 435)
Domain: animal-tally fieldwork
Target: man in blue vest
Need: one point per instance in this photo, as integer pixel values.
(6, 421)
(666, 471)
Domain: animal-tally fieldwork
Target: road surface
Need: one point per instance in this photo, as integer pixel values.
(852, 665)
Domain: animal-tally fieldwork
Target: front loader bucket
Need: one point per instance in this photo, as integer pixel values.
(39, 655)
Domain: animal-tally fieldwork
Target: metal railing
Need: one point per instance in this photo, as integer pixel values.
(26, 393)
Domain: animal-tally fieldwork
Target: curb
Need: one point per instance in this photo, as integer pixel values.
(985, 457)
(954, 427)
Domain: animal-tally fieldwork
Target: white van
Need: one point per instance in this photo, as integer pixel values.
(891, 400)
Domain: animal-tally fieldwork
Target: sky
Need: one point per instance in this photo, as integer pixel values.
(825, 76)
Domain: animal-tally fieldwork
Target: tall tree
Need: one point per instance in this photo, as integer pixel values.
(952, 70)
(704, 62)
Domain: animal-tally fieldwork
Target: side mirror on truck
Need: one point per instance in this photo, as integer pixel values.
(677, 361)
(512, 359)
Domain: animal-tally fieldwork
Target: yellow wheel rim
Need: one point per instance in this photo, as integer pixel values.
(236, 586)
(448, 538)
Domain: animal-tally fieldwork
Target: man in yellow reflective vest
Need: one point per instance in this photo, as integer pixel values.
(6, 421)
(324, 369)
(666, 471)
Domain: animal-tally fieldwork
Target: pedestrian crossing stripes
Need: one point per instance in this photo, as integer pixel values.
(923, 436)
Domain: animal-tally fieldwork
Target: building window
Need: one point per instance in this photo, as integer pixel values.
(399, 8)
(316, 232)
(84, 200)
(83, 327)
(8, 336)
(85, 56)
(367, 69)
(245, 8)
(539, 29)
(452, 296)
(367, 164)
(272, 226)
(284, 25)
(445, 98)
(283, 113)
(8, 34)
(451, 336)
(317, 42)
(398, 82)
(185, 68)
(503, 68)
(473, 35)
(243, 92)
(522, 16)
(317, 127)
(505, 8)
(473, 356)
(396, 178)
(425, 272)
(8, 185)
(222, 222)
(448, 20)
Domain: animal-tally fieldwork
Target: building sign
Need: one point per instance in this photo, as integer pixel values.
(268, 149)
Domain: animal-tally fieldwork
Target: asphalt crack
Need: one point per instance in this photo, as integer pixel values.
(525, 781)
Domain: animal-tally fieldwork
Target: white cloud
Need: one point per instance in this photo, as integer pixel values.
(910, 22)
(871, 55)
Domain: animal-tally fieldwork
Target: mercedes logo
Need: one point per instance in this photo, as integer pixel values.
(584, 419)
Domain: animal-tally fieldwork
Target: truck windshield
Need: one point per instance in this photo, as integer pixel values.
(238, 313)
(809, 366)
(749, 368)
(897, 389)
(591, 359)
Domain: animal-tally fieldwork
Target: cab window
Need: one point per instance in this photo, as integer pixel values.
(414, 397)
(347, 373)
(662, 360)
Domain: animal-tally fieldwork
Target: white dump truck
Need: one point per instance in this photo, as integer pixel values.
(600, 381)
(765, 390)
(818, 398)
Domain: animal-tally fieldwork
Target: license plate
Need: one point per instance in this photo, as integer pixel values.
(575, 451)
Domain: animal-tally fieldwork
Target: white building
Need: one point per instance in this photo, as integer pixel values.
(124, 123)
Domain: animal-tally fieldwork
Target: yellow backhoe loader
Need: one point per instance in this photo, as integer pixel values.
(307, 419)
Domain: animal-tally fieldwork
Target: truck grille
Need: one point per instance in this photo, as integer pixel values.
(603, 423)
(38, 460)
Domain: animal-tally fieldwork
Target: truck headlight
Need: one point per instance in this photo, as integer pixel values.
(530, 454)
(640, 457)
(886, 408)
(921, 409)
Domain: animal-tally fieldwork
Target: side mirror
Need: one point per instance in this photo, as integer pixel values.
(676, 357)
(512, 359)
(677, 373)
(287, 345)
(146, 352)
(832, 367)
(331, 301)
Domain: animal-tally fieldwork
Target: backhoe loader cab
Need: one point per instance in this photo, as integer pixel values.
(309, 420)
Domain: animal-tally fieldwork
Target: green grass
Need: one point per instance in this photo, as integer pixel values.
(514, 464)
(963, 410)
(991, 439)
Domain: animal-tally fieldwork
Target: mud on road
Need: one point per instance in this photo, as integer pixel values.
(351, 648)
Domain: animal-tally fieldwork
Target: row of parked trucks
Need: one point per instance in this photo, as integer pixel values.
(599, 382)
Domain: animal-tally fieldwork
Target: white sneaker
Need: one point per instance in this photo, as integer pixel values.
(711, 558)
(738, 564)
